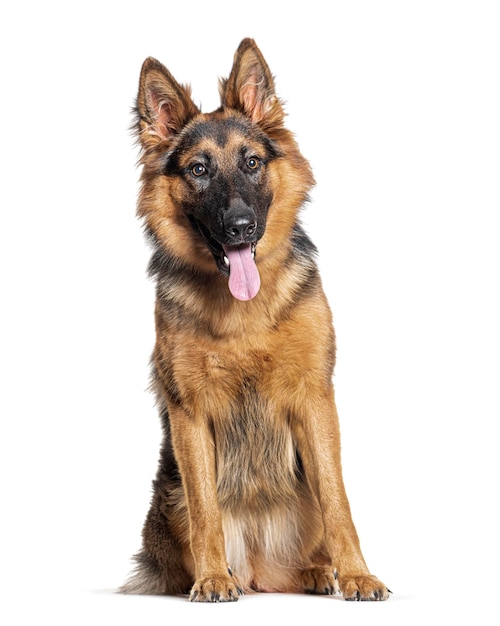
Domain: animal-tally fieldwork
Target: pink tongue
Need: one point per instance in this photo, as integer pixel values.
(244, 279)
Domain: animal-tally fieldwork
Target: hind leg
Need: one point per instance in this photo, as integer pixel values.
(160, 565)
(319, 577)
(164, 564)
(320, 580)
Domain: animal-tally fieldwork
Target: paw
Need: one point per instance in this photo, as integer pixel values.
(363, 587)
(320, 580)
(216, 589)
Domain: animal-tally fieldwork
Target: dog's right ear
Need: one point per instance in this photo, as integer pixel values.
(163, 105)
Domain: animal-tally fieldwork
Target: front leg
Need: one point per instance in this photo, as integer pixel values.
(318, 440)
(195, 454)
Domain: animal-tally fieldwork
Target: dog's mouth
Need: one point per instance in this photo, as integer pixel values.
(244, 278)
(235, 261)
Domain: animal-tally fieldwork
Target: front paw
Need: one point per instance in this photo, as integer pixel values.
(216, 589)
(363, 587)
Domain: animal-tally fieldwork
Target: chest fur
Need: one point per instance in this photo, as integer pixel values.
(257, 463)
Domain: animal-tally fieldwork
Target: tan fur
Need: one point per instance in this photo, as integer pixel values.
(244, 388)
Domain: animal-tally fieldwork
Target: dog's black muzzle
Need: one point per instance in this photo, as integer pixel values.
(240, 224)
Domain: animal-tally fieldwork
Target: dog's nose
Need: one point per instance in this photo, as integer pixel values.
(240, 228)
(240, 224)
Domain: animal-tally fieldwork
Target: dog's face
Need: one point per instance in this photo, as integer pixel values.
(210, 180)
(220, 163)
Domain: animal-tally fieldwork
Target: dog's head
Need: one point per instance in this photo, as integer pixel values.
(210, 180)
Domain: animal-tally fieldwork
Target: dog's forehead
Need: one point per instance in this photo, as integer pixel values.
(219, 129)
(221, 136)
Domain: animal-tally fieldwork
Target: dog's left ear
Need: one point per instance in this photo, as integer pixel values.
(250, 87)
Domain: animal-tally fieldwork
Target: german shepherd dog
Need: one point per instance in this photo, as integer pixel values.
(249, 493)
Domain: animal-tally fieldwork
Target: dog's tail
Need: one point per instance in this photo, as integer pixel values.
(150, 578)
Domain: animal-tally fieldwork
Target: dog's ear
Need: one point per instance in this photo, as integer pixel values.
(163, 105)
(250, 87)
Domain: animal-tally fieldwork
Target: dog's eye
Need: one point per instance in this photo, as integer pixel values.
(253, 163)
(198, 169)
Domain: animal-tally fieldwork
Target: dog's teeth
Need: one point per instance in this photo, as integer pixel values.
(226, 260)
(253, 255)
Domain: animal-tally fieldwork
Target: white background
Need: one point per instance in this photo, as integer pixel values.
(397, 106)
